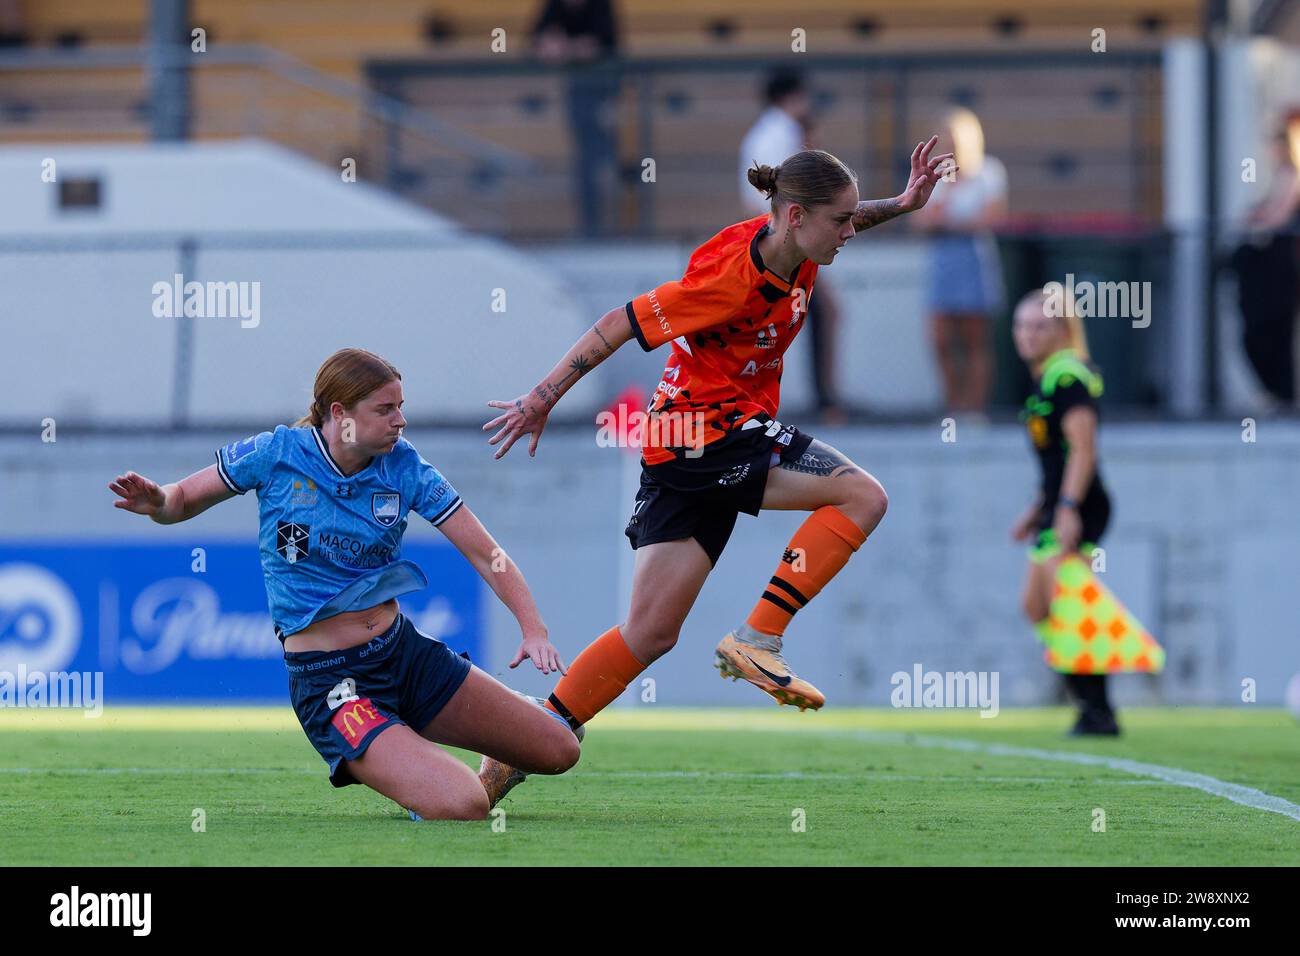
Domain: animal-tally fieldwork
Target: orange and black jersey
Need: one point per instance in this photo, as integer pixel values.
(730, 320)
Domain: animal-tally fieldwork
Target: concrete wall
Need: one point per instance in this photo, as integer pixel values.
(1201, 549)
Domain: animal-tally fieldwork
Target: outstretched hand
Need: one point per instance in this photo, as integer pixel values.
(138, 493)
(926, 172)
(538, 649)
(524, 416)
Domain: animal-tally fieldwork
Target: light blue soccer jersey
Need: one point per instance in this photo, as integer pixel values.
(332, 542)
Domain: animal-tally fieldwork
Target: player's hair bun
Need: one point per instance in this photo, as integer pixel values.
(763, 178)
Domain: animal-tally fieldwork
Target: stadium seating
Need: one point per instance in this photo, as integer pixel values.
(329, 33)
(864, 116)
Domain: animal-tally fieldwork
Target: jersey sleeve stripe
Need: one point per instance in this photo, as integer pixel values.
(636, 329)
(229, 482)
(446, 512)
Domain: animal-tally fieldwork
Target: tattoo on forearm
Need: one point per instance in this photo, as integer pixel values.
(579, 367)
(609, 349)
(547, 398)
(873, 212)
(548, 393)
(822, 460)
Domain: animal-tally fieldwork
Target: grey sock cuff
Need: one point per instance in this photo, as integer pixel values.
(767, 642)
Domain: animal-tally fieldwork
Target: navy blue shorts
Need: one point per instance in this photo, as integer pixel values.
(344, 699)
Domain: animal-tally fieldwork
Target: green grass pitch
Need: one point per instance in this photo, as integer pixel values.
(659, 786)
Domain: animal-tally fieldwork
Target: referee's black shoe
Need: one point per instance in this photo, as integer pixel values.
(1094, 722)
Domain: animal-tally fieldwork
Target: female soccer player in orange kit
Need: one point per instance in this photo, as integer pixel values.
(713, 447)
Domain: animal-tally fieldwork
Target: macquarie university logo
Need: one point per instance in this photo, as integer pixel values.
(386, 507)
(292, 541)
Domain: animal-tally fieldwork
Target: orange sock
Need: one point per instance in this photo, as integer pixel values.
(595, 678)
(822, 545)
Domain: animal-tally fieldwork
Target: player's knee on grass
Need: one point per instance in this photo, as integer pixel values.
(469, 803)
(556, 751)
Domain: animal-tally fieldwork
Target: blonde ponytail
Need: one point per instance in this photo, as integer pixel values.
(1078, 335)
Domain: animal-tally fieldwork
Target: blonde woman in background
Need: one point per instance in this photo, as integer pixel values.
(964, 285)
(1072, 508)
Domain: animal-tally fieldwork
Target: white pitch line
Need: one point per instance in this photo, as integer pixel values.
(1246, 796)
(1237, 793)
(163, 771)
(865, 775)
(633, 774)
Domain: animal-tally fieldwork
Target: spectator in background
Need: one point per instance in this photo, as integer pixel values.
(965, 275)
(582, 35)
(1268, 271)
(781, 130)
(13, 32)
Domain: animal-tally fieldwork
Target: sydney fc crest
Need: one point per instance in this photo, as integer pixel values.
(385, 506)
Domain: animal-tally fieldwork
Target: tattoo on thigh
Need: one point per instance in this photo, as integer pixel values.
(822, 460)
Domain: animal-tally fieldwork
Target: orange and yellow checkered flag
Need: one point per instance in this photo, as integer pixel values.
(1088, 631)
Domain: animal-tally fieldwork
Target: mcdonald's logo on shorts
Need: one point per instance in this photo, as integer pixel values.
(357, 718)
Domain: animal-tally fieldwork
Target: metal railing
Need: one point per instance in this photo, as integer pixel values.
(237, 90)
(1095, 123)
(492, 142)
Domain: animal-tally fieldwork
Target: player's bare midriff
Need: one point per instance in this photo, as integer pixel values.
(344, 630)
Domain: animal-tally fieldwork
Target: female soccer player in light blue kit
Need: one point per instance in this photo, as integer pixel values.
(373, 694)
